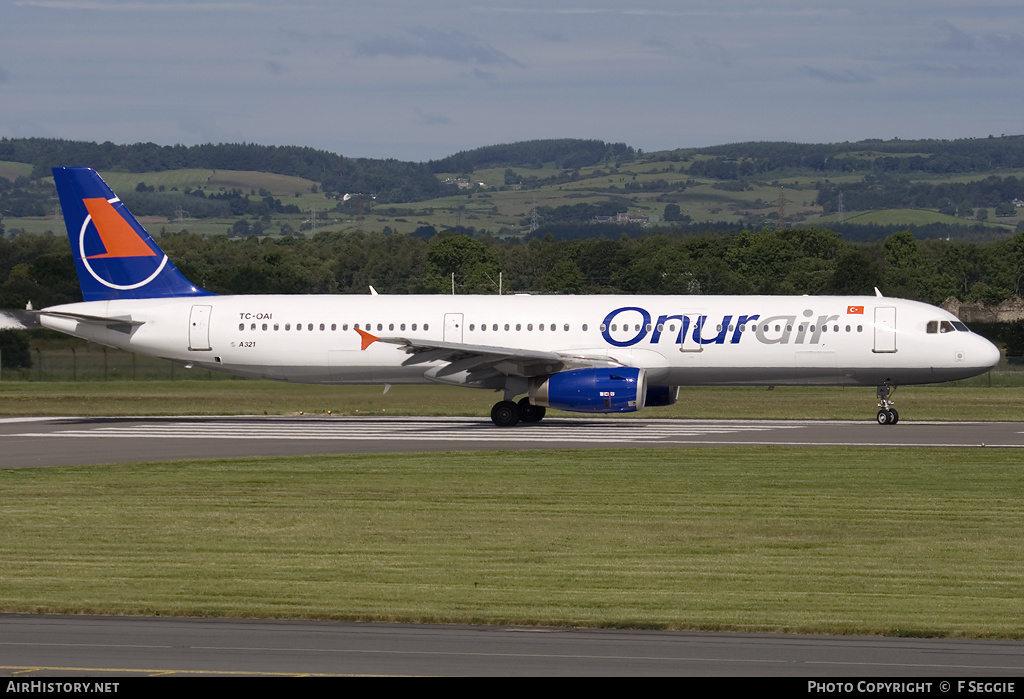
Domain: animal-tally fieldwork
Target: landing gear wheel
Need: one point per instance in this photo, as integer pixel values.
(505, 414)
(529, 412)
(888, 417)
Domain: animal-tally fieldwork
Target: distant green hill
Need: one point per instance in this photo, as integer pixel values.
(962, 189)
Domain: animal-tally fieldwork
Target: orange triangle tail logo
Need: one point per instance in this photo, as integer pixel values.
(118, 236)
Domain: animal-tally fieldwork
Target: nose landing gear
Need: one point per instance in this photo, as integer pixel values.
(887, 415)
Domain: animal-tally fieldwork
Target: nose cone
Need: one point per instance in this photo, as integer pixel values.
(985, 355)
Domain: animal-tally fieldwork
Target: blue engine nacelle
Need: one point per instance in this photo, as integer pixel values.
(619, 390)
(660, 396)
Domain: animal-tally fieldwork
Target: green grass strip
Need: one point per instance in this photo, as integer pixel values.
(923, 542)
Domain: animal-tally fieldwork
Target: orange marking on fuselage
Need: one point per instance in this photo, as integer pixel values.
(368, 339)
(118, 236)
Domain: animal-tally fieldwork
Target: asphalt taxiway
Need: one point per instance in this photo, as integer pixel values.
(33, 646)
(62, 441)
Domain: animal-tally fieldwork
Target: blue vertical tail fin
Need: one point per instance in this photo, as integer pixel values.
(114, 255)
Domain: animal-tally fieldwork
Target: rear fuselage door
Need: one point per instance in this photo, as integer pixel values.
(199, 328)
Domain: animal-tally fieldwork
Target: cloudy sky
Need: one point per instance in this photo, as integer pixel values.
(421, 80)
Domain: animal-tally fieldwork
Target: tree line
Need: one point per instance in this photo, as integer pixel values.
(891, 192)
(398, 181)
(964, 155)
(801, 261)
(563, 153)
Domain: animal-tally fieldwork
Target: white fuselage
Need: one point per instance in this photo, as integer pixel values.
(678, 340)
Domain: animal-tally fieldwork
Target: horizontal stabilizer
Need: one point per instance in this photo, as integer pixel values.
(18, 320)
(119, 323)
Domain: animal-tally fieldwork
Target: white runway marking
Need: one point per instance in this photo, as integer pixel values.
(418, 430)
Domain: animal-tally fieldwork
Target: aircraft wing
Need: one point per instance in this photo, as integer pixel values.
(511, 361)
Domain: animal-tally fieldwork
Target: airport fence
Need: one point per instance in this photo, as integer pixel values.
(96, 363)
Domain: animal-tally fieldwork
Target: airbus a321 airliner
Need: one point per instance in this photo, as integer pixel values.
(588, 354)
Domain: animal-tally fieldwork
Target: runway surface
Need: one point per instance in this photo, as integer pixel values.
(58, 441)
(54, 646)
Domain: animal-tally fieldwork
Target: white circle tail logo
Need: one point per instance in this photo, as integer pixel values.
(120, 241)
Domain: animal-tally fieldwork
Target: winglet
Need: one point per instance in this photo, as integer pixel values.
(368, 339)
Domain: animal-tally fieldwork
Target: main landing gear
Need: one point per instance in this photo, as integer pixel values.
(887, 415)
(508, 413)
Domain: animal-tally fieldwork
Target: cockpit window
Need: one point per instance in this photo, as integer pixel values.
(945, 326)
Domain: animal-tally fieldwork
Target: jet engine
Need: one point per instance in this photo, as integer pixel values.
(618, 390)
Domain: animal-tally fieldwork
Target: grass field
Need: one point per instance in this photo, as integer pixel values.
(829, 540)
(12, 171)
(170, 180)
